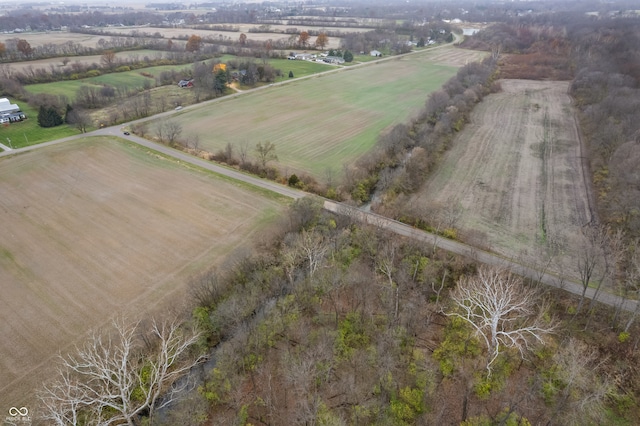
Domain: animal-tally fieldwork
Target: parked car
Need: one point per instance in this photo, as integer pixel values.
(127, 133)
(179, 107)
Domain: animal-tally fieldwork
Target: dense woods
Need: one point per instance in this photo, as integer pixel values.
(607, 93)
(329, 321)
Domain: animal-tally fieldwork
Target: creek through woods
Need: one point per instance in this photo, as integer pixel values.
(198, 374)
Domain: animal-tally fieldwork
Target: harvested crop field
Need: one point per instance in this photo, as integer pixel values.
(57, 63)
(516, 173)
(454, 57)
(277, 33)
(323, 122)
(97, 227)
(58, 38)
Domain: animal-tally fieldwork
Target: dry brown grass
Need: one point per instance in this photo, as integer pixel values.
(516, 172)
(96, 228)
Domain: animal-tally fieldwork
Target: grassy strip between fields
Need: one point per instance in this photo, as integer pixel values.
(190, 166)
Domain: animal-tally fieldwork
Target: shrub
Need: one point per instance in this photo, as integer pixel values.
(623, 337)
(293, 181)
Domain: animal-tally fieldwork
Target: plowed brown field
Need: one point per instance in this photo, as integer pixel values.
(516, 172)
(95, 228)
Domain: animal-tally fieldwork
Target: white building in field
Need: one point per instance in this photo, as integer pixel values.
(10, 113)
(7, 107)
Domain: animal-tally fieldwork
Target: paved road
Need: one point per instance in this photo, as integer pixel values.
(367, 217)
(480, 256)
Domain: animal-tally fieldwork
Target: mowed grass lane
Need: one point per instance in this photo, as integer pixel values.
(320, 123)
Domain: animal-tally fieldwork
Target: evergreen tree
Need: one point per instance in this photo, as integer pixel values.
(49, 117)
(56, 118)
(43, 118)
(348, 56)
(220, 82)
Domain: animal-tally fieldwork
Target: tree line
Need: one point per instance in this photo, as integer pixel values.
(402, 158)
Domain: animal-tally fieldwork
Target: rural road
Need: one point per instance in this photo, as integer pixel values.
(478, 255)
(338, 208)
(399, 228)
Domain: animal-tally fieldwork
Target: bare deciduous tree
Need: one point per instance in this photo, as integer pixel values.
(161, 104)
(386, 257)
(160, 131)
(228, 152)
(173, 129)
(580, 390)
(80, 119)
(112, 380)
(503, 312)
(313, 247)
(590, 258)
(629, 284)
(108, 59)
(593, 259)
(243, 152)
(266, 152)
(614, 250)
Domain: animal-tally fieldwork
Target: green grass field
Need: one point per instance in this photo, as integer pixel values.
(320, 123)
(299, 68)
(28, 132)
(128, 79)
(135, 80)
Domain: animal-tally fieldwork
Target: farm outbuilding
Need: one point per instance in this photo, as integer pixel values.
(333, 60)
(12, 117)
(7, 107)
(302, 57)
